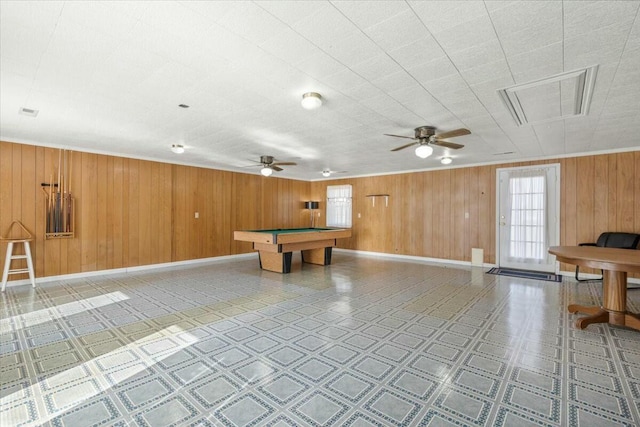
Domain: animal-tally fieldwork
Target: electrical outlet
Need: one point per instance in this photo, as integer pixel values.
(197, 215)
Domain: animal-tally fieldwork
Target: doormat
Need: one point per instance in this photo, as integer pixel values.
(538, 275)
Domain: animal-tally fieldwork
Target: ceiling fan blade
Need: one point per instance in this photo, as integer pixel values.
(398, 136)
(276, 168)
(404, 146)
(284, 164)
(447, 144)
(453, 133)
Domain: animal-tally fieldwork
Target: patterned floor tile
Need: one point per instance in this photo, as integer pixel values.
(401, 343)
(247, 410)
(320, 409)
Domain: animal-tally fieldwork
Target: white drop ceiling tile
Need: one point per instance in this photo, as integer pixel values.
(289, 46)
(486, 72)
(421, 51)
(34, 16)
(74, 43)
(104, 17)
(315, 29)
(23, 47)
(363, 92)
(369, 13)
(399, 30)
(446, 85)
(531, 39)
(514, 17)
(481, 53)
(416, 97)
(176, 19)
(212, 11)
(439, 16)
(468, 108)
(551, 137)
(586, 16)
(221, 43)
(376, 67)
(291, 12)
(353, 50)
(320, 65)
(530, 66)
(601, 46)
(396, 81)
(467, 35)
(433, 70)
(251, 22)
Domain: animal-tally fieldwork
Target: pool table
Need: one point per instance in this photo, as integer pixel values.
(275, 246)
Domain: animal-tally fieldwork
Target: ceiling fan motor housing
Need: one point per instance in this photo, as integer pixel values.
(266, 160)
(424, 132)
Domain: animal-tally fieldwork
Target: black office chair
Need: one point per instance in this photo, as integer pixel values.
(612, 240)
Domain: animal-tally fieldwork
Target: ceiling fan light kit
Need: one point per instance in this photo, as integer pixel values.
(446, 160)
(326, 173)
(425, 137)
(311, 100)
(177, 148)
(424, 151)
(266, 171)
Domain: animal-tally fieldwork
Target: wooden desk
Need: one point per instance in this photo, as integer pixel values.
(615, 263)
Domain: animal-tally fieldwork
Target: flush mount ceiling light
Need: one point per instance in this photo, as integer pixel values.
(326, 173)
(557, 97)
(177, 148)
(446, 160)
(266, 171)
(311, 100)
(423, 151)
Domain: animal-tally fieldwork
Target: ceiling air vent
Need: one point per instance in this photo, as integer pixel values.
(28, 112)
(553, 98)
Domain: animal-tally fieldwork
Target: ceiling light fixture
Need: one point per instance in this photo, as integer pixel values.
(446, 160)
(424, 151)
(266, 171)
(177, 148)
(311, 100)
(326, 173)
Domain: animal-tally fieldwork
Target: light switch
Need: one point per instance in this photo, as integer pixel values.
(197, 215)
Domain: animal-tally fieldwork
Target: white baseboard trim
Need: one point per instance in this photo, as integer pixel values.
(440, 261)
(413, 258)
(137, 268)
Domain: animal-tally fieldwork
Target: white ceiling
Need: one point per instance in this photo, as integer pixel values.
(108, 77)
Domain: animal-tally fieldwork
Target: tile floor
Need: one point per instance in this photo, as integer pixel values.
(365, 341)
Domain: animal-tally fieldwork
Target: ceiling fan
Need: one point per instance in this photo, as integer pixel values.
(269, 165)
(426, 136)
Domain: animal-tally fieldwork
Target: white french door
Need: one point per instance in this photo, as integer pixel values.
(528, 214)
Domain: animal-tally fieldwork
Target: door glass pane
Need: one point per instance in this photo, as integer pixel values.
(527, 211)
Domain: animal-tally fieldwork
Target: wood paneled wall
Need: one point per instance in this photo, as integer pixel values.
(426, 213)
(133, 212)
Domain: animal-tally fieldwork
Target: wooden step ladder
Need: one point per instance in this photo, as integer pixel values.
(10, 256)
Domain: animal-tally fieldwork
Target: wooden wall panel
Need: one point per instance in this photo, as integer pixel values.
(131, 212)
(598, 193)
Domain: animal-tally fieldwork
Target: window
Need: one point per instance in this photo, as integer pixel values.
(339, 206)
(527, 234)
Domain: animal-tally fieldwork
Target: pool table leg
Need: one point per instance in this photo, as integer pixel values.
(320, 256)
(279, 262)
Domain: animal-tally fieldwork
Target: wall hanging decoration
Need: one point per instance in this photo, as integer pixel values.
(60, 203)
